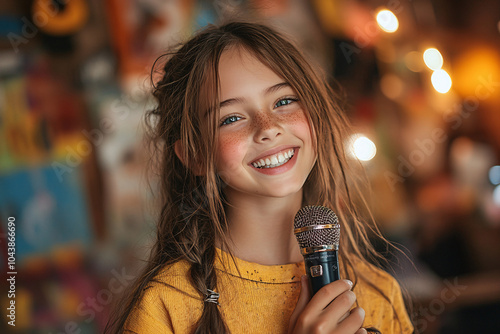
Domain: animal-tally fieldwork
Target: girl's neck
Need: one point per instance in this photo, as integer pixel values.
(261, 228)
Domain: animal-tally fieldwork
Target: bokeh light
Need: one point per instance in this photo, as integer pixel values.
(391, 86)
(441, 81)
(433, 59)
(496, 196)
(413, 60)
(387, 21)
(494, 175)
(474, 66)
(362, 148)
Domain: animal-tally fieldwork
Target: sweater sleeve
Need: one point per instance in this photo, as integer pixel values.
(149, 316)
(379, 294)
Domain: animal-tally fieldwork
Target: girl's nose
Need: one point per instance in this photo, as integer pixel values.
(267, 127)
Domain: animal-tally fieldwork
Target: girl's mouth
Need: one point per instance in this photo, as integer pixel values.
(274, 160)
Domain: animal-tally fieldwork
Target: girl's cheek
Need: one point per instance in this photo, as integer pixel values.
(298, 120)
(230, 147)
(294, 117)
(300, 123)
(230, 141)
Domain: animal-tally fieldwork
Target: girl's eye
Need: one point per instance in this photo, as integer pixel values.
(284, 102)
(229, 120)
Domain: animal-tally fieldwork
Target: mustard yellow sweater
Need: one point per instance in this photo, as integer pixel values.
(261, 300)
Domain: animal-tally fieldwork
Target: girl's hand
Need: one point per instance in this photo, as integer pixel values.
(327, 311)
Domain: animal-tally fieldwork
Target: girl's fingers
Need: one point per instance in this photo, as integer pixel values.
(344, 316)
(353, 322)
(327, 310)
(327, 294)
(340, 306)
(361, 331)
(304, 297)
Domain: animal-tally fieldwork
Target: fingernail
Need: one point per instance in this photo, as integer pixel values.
(349, 282)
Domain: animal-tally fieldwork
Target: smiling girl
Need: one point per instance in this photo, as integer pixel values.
(248, 133)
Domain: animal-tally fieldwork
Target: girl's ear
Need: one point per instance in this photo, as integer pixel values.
(197, 169)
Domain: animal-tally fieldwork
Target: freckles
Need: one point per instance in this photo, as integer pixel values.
(230, 144)
(297, 119)
(262, 122)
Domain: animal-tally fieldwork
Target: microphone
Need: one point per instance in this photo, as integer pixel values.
(317, 230)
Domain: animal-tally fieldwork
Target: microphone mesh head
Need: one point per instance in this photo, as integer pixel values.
(317, 215)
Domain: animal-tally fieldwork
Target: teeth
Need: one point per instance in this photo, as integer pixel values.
(275, 160)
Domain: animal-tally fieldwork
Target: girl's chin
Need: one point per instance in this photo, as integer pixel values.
(279, 193)
(271, 189)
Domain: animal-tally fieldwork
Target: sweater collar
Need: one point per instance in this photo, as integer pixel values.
(277, 274)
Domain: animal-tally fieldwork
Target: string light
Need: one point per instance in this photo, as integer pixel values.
(441, 81)
(387, 21)
(362, 148)
(433, 59)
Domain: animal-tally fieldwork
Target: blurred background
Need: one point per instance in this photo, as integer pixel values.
(421, 80)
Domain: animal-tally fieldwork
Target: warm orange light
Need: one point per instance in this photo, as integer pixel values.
(361, 147)
(476, 72)
(387, 21)
(433, 59)
(441, 81)
(413, 61)
(391, 86)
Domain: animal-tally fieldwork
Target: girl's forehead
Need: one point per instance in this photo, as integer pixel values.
(236, 58)
(241, 72)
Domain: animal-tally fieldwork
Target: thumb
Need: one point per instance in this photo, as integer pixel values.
(304, 297)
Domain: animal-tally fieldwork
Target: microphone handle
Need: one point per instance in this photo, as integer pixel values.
(321, 268)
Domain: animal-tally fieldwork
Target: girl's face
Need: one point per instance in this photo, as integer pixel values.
(266, 146)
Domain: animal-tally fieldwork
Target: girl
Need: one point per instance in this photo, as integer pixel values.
(249, 134)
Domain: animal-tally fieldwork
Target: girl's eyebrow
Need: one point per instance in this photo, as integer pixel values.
(266, 91)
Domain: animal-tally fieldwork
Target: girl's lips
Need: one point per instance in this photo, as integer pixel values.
(280, 169)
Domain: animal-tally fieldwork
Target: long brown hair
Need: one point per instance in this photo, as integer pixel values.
(192, 215)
